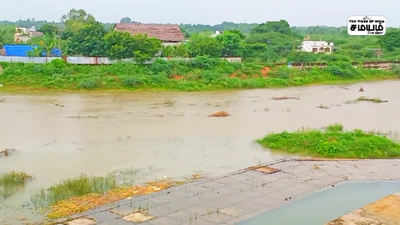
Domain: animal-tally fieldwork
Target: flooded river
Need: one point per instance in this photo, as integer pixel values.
(169, 134)
(324, 206)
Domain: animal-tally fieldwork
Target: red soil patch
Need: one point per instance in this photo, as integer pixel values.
(244, 76)
(265, 71)
(219, 114)
(241, 76)
(177, 77)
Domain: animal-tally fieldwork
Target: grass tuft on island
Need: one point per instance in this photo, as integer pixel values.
(11, 182)
(333, 142)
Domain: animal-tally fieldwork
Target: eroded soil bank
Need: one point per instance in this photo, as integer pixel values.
(170, 133)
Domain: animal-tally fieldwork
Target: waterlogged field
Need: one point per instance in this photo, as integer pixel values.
(169, 134)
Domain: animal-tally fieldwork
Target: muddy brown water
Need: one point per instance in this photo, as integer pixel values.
(169, 134)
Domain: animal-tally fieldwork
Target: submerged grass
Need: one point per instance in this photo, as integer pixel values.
(333, 142)
(80, 194)
(374, 100)
(366, 99)
(83, 203)
(12, 182)
(69, 188)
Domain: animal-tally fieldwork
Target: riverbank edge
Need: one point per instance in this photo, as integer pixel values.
(37, 90)
(244, 194)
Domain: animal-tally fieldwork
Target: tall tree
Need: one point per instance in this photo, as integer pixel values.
(391, 40)
(6, 35)
(45, 44)
(204, 45)
(279, 43)
(88, 41)
(126, 20)
(232, 43)
(277, 36)
(281, 26)
(120, 45)
(50, 29)
(76, 19)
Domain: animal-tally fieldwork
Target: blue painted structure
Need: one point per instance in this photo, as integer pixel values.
(23, 50)
(18, 50)
(55, 52)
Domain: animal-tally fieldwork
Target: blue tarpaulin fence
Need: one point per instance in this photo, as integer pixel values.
(18, 50)
(23, 50)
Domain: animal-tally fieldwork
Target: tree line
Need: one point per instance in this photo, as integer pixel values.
(79, 33)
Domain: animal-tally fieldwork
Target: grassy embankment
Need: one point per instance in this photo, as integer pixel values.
(200, 74)
(11, 182)
(333, 142)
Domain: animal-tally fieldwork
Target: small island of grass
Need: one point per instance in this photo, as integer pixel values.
(11, 182)
(333, 142)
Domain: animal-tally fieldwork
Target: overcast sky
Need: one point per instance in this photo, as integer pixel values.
(298, 13)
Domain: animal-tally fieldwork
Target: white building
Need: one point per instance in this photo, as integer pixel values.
(216, 34)
(317, 47)
(22, 35)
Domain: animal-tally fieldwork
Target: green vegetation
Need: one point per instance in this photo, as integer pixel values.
(78, 33)
(396, 70)
(366, 99)
(259, 45)
(333, 142)
(202, 73)
(6, 34)
(75, 187)
(11, 182)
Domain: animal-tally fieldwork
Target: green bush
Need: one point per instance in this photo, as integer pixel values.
(281, 73)
(396, 70)
(210, 76)
(334, 142)
(161, 65)
(335, 128)
(205, 62)
(89, 83)
(132, 82)
(342, 69)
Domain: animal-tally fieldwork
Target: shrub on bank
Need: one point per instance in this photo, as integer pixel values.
(342, 69)
(89, 83)
(396, 70)
(132, 81)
